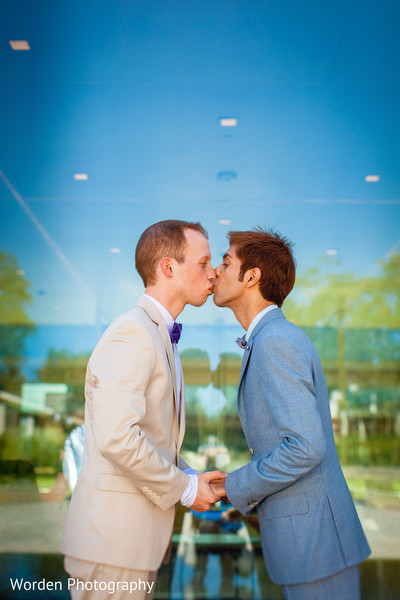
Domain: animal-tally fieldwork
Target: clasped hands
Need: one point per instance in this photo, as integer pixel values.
(211, 488)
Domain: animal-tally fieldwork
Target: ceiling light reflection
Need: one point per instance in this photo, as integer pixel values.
(228, 122)
(19, 45)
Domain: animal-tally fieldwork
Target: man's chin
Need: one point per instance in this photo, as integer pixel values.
(198, 303)
(217, 302)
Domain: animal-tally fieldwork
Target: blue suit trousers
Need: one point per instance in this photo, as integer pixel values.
(344, 585)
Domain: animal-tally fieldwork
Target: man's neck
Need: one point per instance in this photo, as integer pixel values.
(171, 304)
(246, 311)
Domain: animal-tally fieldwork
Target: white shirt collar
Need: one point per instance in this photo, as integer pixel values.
(258, 318)
(169, 321)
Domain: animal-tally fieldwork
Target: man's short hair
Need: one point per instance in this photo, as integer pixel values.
(272, 254)
(165, 238)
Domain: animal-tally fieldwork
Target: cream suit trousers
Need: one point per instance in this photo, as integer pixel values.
(94, 581)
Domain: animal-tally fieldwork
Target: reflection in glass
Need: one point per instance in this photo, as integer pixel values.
(355, 327)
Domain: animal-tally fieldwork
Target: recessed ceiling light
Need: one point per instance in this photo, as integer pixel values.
(81, 176)
(226, 175)
(19, 45)
(20, 272)
(224, 221)
(372, 178)
(115, 250)
(228, 122)
(332, 252)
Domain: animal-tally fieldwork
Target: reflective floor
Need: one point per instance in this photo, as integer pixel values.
(214, 576)
(205, 562)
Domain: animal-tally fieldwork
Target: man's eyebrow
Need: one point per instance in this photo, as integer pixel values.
(226, 255)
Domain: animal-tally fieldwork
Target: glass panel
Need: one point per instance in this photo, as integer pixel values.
(216, 554)
(119, 114)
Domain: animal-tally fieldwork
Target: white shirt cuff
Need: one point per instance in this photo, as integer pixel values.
(189, 495)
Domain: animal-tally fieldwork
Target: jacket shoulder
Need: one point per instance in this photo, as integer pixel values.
(135, 315)
(134, 322)
(280, 332)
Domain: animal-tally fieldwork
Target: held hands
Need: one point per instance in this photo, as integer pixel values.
(217, 485)
(206, 495)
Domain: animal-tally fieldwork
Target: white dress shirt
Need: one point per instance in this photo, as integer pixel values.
(189, 495)
(258, 318)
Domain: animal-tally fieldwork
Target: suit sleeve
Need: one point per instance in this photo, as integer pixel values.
(121, 370)
(285, 384)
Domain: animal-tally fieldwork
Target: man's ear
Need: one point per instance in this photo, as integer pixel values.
(252, 277)
(166, 266)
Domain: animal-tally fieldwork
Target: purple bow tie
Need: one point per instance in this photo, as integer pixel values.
(175, 333)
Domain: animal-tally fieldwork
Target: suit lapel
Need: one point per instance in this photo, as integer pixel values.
(245, 359)
(276, 313)
(157, 318)
(182, 416)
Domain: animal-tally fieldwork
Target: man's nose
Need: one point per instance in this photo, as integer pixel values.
(211, 273)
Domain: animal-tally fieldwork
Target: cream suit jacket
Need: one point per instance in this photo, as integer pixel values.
(122, 509)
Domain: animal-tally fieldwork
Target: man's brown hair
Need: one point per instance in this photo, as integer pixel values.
(272, 254)
(165, 238)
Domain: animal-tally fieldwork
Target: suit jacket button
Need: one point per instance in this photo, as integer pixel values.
(252, 451)
(247, 347)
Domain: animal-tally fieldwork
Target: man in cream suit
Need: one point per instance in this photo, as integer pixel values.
(311, 536)
(120, 520)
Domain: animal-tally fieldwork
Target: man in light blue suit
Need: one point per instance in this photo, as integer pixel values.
(311, 536)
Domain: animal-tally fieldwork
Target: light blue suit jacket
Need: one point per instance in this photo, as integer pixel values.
(308, 522)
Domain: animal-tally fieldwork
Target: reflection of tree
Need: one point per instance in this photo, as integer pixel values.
(14, 322)
(357, 321)
(322, 298)
(197, 372)
(196, 366)
(199, 424)
(379, 305)
(226, 377)
(365, 313)
(62, 366)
